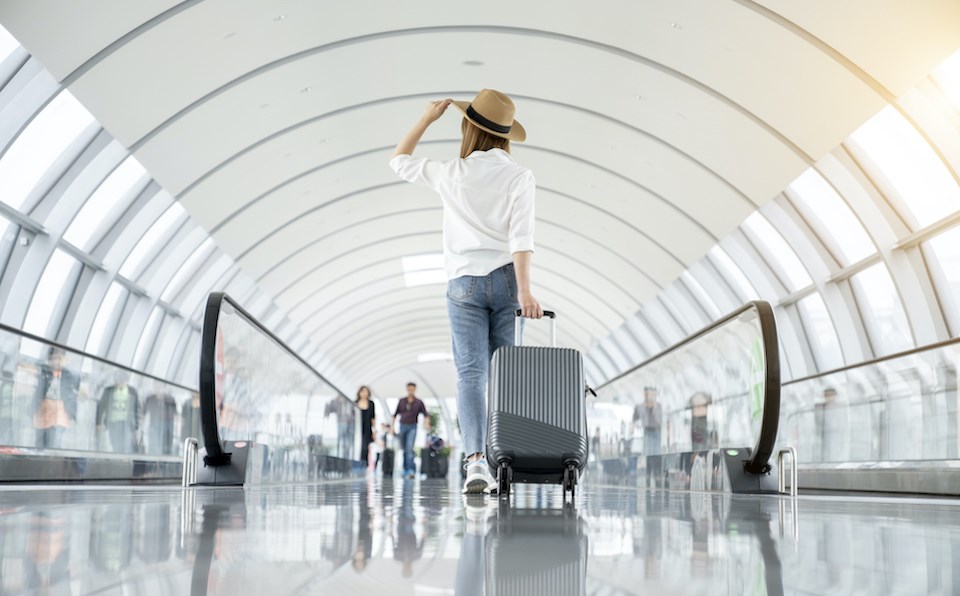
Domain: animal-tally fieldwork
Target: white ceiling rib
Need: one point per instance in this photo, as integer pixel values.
(426, 96)
(363, 39)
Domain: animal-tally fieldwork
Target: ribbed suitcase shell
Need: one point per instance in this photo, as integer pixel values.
(537, 408)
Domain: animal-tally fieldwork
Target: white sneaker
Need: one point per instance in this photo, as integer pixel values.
(478, 479)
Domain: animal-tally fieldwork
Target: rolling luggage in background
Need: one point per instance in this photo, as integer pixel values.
(386, 460)
(537, 425)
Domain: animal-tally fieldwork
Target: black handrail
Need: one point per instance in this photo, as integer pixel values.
(208, 356)
(99, 359)
(759, 462)
(866, 363)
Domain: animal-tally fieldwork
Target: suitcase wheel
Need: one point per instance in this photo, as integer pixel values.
(570, 481)
(504, 478)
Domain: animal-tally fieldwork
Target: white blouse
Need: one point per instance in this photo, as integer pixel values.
(487, 207)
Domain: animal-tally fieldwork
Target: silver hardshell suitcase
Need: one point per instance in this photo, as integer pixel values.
(537, 425)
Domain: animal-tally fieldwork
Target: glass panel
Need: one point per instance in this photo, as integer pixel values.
(823, 203)
(928, 190)
(8, 44)
(263, 392)
(733, 274)
(947, 76)
(900, 409)
(792, 272)
(704, 395)
(945, 252)
(882, 310)
(186, 270)
(104, 315)
(820, 332)
(52, 398)
(39, 146)
(104, 206)
(150, 241)
(48, 291)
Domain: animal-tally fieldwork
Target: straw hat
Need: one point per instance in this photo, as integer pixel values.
(493, 112)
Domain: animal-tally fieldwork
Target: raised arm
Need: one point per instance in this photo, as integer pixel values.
(434, 110)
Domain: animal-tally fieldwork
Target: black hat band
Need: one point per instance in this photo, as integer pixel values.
(473, 115)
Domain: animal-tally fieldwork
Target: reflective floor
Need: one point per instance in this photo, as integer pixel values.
(423, 538)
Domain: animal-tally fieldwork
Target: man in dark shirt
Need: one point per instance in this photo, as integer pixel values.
(409, 410)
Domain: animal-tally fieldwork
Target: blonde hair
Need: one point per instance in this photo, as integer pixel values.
(476, 139)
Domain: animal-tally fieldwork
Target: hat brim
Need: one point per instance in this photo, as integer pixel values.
(517, 132)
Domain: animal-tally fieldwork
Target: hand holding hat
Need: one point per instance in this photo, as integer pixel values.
(435, 109)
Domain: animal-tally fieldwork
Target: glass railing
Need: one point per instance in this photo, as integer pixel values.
(255, 389)
(55, 399)
(902, 407)
(718, 388)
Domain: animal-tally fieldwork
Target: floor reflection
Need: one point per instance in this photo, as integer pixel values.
(410, 537)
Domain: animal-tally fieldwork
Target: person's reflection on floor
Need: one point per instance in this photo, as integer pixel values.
(407, 548)
(651, 546)
(111, 542)
(48, 555)
(364, 547)
(700, 514)
(471, 566)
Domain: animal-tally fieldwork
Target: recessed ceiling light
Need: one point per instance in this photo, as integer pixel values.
(279, 17)
(472, 63)
(676, 25)
(306, 90)
(435, 357)
(641, 97)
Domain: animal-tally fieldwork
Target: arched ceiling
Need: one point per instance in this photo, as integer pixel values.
(655, 128)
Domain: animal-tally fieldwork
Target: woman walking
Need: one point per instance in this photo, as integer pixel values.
(368, 422)
(488, 221)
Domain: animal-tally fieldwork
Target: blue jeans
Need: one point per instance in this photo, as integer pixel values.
(482, 312)
(408, 435)
(651, 441)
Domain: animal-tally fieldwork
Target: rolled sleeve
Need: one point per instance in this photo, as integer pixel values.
(522, 219)
(418, 170)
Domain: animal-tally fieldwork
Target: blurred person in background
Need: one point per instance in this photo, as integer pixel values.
(119, 413)
(409, 410)
(160, 413)
(55, 402)
(368, 424)
(649, 415)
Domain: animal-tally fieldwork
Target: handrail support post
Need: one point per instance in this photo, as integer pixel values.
(781, 471)
(191, 452)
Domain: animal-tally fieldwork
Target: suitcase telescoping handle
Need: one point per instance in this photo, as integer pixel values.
(553, 327)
